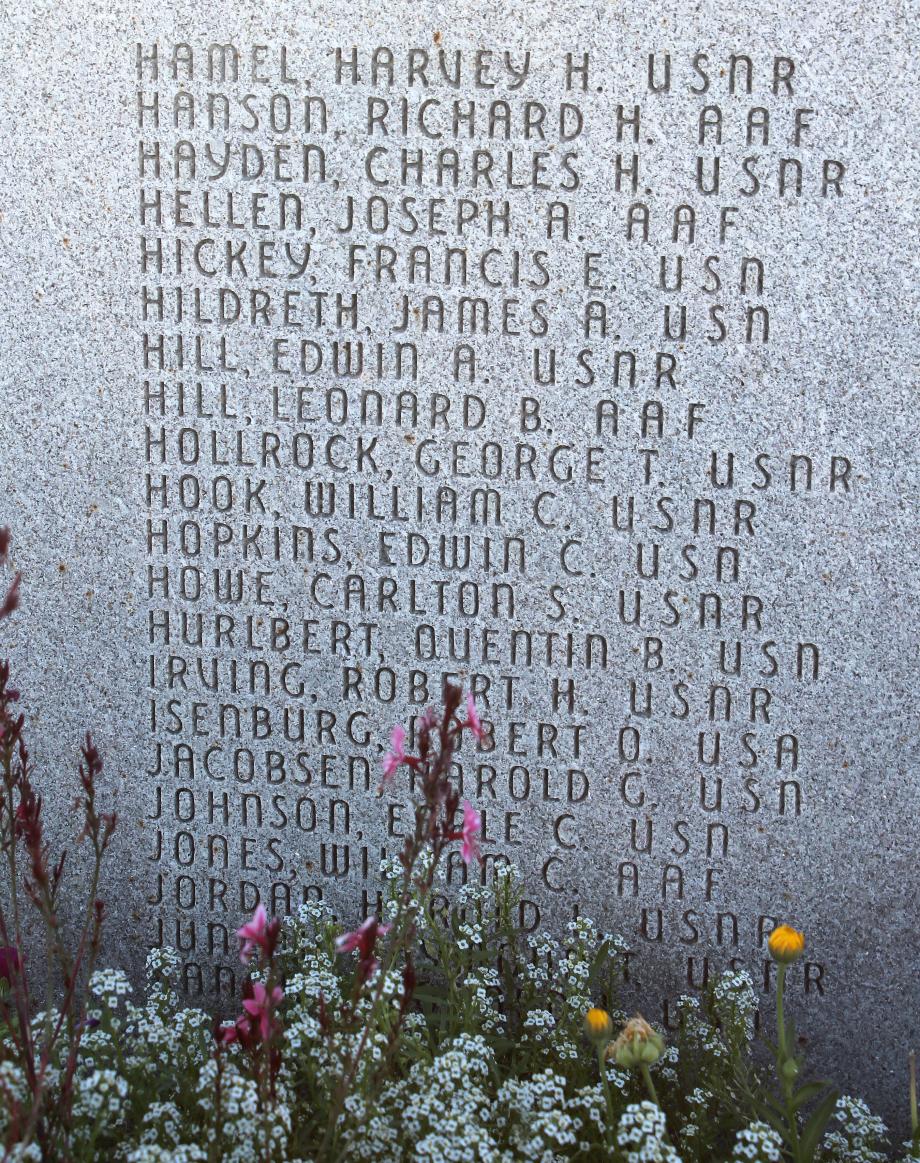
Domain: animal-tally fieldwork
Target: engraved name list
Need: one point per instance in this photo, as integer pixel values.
(457, 364)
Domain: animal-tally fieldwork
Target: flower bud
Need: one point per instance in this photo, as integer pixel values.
(786, 944)
(598, 1025)
(638, 1044)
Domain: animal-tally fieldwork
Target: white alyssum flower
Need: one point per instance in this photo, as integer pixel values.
(735, 1002)
(110, 985)
(100, 1099)
(31, 1153)
(856, 1135)
(533, 1114)
(640, 1135)
(758, 1143)
(181, 1153)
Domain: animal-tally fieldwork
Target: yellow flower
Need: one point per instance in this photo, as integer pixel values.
(638, 1044)
(598, 1025)
(786, 944)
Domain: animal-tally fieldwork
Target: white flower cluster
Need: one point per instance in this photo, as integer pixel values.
(250, 1135)
(573, 976)
(164, 1034)
(14, 1090)
(393, 874)
(858, 1137)
(371, 1133)
(96, 1048)
(303, 1035)
(32, 1153)
(470, 935)
(446, 1112)
(160, 972)
(735, 1003)
(483, 986)
(588, 1106)
(641, 1135)
(533, 1114)
(758, 1143)
(391, 869)
(162, 1124)
(700, 1033)
(475, 898)
(415, 1035)
(562, 973)
(545, 953)
(99, 1101)
(667, 1063)
(699, 1102)
(111, 986)
(316, 980)
(182, 1153)
(540, 1024)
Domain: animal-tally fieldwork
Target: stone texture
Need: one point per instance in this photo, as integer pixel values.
(817, 772)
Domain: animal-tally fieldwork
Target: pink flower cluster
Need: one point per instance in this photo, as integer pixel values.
(257, 1021)
(436, 734)
(364, 940)
(259, 933)
(469, 834)
(396, 757)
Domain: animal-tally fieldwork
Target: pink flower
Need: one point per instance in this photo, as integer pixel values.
(472, 826)
(473, 720)
(395, 756)
(254, 934)
(259, 1007)
(364, 939)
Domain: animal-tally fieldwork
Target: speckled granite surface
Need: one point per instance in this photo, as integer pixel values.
(493, 333)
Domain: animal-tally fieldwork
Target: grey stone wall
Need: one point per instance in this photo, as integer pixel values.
(486, 371)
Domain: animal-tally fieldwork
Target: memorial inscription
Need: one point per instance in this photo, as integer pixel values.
(561, 358)
(404, 423)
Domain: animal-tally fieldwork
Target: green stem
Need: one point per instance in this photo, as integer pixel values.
(649, 1084)
(652, 1093)
(780, 1019)
(782, 1057)
(608, 1097)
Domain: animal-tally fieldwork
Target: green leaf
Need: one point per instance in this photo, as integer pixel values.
(772, 1115)
(499, 1042)
(815, 1126)
(430, 993)
(598, 959)
(806, 1093)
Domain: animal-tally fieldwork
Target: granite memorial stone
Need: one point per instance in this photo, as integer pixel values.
(561, 350)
